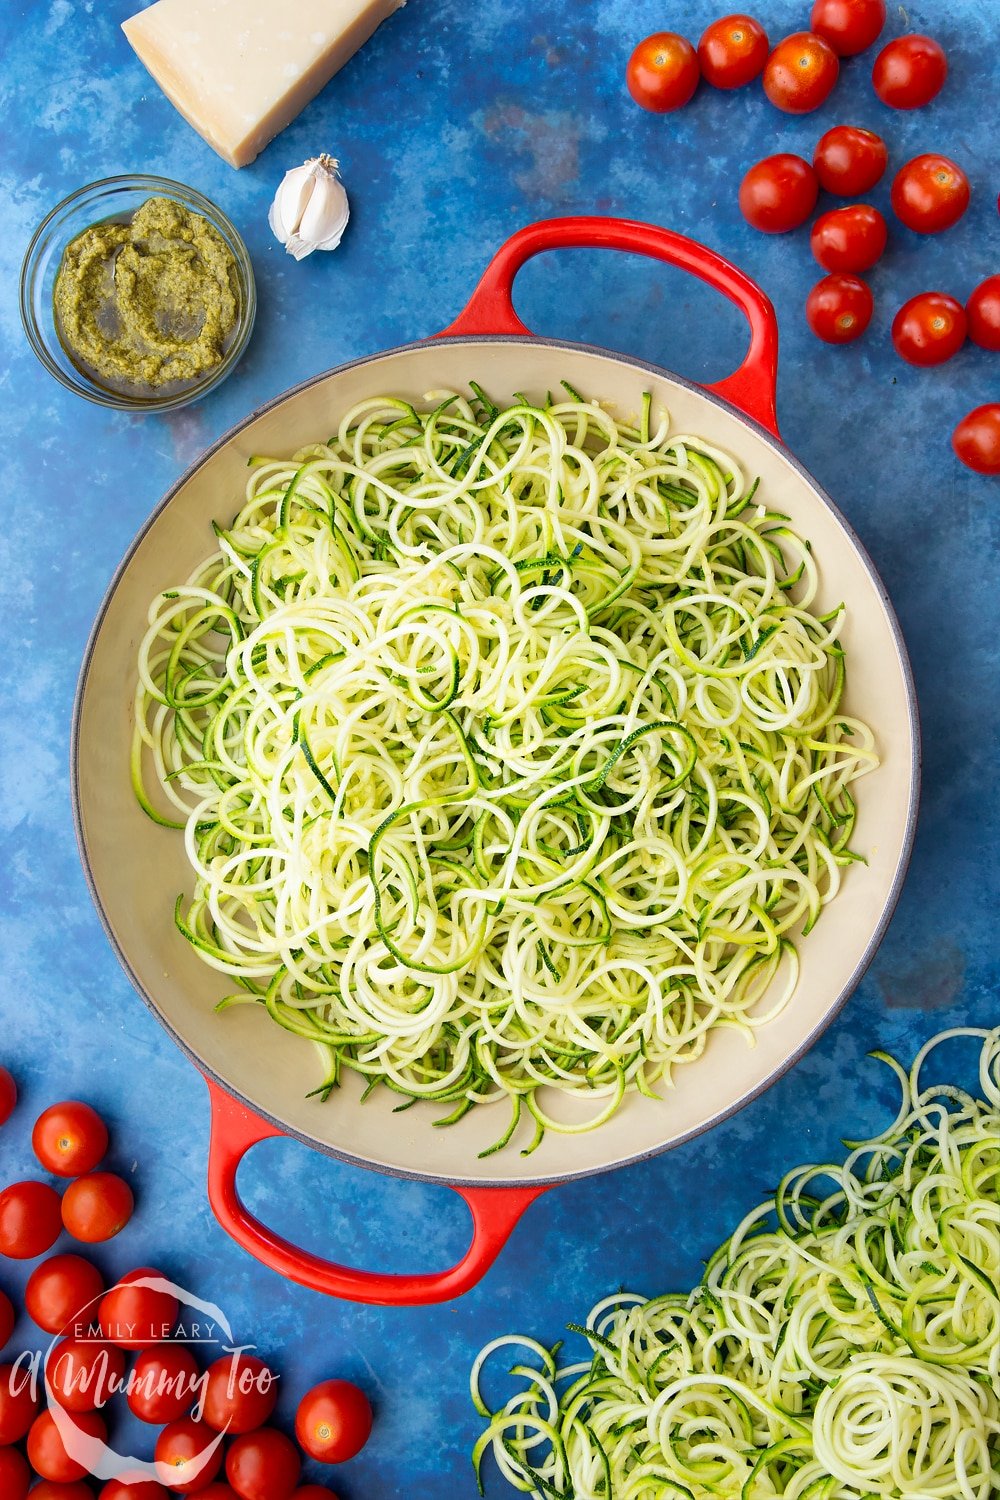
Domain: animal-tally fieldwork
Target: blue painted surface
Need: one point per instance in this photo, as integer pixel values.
(453, 132)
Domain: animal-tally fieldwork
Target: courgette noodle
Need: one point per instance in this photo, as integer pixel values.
(843, 1344)
(507, 750)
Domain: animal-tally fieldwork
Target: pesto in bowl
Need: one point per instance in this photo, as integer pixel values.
(150, 302)
(138, 293)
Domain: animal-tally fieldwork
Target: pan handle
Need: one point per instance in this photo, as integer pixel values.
(495, 1211)
(751, 387)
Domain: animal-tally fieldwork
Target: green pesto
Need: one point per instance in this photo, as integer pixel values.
(151, 302)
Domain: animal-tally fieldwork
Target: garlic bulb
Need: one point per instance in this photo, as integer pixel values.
(310, 209)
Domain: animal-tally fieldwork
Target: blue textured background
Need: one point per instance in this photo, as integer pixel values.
(455, 125)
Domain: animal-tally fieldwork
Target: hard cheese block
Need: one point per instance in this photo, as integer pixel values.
(241, 70)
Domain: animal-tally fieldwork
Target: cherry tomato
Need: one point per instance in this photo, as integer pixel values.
(263, 1465)
(69, 1138)
(800, 73)
(218, 1491)
(82, 1374)
(29, 1219)
(929, 329)
(849, 160)
(733, 51)
(164, 1384)
(909, 72)
(849, 239)
(662, 72)
(976, 439)
(46, 1490)
(18, 1403)
(848, 25)
(333, 1421)
(47, 1453)
(240, 1393)
(778, 193)
(15, 1476)
(839, 309)
(135, 1316)
(983, 313)
(64, 1293)
(313, 1492)
(141, 1489)
(8, 1318)
(930, 193)
(185, 1450)
(97, 1206)
(8, 1095)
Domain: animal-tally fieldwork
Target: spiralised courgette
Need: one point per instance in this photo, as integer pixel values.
(507, 747)
(843, 1343)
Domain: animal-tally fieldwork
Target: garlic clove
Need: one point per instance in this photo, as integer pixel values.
(310, 209)
(290, 204)
(323, 217)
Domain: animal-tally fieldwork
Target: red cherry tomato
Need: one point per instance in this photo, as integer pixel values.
(976, 439)
(662, 72)
(19, 1403)
(8, 1095)
(218, 1491)
(69, 1138)
(983, 313)
(135, 1316)
(82, 1374)
(240, 1393)
(839, 309)
(848, 25)
(47, 1453)
(47, 1490)
(15, 1476)
(8, 1318)
(930, 193)
(29, 1219)
(849, 160)
(333, 1421)
(96, 1207)
(733, 51)
(800, 73)
(63, 1293)
(909, 72)
(929, 329)
(164, 1384)
(849, 239)
(778, 193)
(263, 1465)
(189, 1461)
(314, 1492)
(141, 1489)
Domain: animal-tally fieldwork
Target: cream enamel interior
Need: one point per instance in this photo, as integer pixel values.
(137, 869)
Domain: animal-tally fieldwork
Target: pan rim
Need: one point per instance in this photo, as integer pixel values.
(338, 1153)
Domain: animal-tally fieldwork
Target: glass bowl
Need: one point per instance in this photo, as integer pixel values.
(118, 198)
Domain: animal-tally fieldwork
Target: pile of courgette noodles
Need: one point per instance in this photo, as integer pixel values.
(507, 749)
(843, 1344)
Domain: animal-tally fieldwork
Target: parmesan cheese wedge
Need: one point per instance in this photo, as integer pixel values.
(239, 71)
